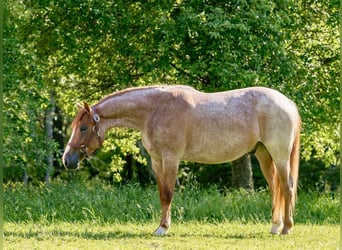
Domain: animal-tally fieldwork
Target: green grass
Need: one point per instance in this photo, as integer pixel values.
(99, 216)
(192, 235)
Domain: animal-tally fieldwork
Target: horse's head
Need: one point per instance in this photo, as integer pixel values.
(85, 137)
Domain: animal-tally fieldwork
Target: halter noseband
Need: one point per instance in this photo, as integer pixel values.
(96, 130)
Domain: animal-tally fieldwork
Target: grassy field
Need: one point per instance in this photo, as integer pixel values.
(192, 235)
(99, 216)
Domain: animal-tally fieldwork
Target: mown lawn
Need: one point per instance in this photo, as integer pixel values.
(100, 216)
(191, 235)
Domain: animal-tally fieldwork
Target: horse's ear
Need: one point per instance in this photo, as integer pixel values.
(87, 108)
(79, 106)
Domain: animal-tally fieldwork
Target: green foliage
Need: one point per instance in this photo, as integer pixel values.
(225, 45)
(25, 100)
(315, 42)
(86, 49)
(120, 144)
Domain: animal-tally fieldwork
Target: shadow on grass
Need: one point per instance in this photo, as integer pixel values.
(237, 236)
(119, 234)
(85, 235)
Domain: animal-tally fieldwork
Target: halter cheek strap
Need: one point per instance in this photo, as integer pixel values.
(96, 128)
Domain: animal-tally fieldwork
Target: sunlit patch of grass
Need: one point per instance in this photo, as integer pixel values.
(190, 235)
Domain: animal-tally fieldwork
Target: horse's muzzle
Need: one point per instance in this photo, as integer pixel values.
(71, 158)
(71, 161)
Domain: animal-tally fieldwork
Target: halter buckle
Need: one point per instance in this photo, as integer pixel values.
(96, 118)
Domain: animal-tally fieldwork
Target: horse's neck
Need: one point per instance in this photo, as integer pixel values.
(128, 110)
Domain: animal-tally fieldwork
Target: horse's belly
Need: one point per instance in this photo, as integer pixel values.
(210, 158)
(217, 151)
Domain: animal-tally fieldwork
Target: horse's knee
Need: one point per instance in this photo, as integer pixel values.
(166, 195)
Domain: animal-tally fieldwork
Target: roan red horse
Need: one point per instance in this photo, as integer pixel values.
(180, 123)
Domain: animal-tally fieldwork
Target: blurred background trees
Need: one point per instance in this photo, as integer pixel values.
(57, 53)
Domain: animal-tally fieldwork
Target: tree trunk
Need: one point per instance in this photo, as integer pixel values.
(26, 177)
(242, 175)
(49, 135)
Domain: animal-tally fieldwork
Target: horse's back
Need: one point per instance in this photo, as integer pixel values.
(223, 126)
(242, 105)
(256, 95)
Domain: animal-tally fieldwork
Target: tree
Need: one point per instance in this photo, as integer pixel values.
(315, 42)
(242, 175)
(93, 48)
(50, 111)
(25, 99)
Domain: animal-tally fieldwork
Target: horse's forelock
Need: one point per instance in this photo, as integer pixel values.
(78, 117)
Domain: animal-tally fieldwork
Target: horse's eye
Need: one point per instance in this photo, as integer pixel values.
(83, 128)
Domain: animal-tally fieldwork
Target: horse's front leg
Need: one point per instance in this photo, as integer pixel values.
(166, 172)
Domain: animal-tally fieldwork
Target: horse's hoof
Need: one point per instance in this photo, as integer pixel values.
(160, 231)
(285, 231)
(276, 228)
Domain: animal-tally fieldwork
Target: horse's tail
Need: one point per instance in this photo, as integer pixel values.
(294, 163)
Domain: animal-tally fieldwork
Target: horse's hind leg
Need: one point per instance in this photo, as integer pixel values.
(266, 165)
(166, 172)
(268, 169)
(287, 190)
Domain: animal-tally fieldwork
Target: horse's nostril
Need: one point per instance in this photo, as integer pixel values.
(66, 160)
(65, 163)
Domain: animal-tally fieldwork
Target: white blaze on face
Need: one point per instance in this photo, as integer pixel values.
(67, 148)
(72, 135)
(70, 157)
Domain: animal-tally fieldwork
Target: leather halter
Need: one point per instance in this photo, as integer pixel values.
(96, 130)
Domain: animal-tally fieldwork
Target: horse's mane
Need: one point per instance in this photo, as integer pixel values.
(135, 89)
(125, 91)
